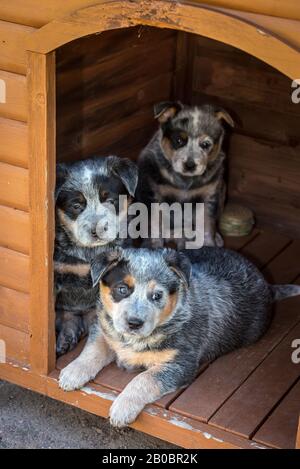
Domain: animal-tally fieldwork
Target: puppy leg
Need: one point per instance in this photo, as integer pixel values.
(69, 328)
(144, 389)
(95, 356)
(209, 227)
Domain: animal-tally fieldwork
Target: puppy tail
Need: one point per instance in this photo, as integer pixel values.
(280, 292)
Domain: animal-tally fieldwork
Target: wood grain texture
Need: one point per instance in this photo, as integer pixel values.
(14, 142)
(41, 81)
(16, 345)
(14, 309)
(105, 102)
(280, 429)
(15, 105)
(260, 392)
(186, 17)
(14, 229)
(14, 186)
(12, 46)
(14, 270)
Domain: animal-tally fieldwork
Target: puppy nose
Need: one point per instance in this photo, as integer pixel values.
(135, 323)
(94, 232)
(190, 165)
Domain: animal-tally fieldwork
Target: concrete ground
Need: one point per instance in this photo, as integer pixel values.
(29, 420)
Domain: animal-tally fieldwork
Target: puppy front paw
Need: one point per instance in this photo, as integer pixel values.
(74, 376)
(124, 411)
(219, 240)
(67, 339)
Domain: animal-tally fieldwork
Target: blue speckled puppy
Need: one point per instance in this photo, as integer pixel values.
(166, 312)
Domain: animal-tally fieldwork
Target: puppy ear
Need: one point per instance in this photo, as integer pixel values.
(166, 110)
(127, 171)
(61, 177)
(102, 263)
(180, 264)
(221, 114)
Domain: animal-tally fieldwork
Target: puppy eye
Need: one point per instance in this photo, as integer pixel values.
(76, 206)
(156, 296)
(181, 141)
(123, 290)
(205, 145)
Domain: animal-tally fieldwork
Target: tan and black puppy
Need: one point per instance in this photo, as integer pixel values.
(167, 312)
(87, 212)
(184, 162)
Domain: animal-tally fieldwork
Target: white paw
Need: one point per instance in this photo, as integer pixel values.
(74, 376)
(124, 411)
(219, 240)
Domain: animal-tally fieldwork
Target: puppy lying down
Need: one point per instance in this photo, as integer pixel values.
(166, 312)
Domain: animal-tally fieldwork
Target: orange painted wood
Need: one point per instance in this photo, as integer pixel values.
(280, 429)
(14, 229)
(224, 376)
(247, 408)
(12, 46)
(14, 309)
(42, 96)
(14, 142)
(14, 270)
(187, 17)
(14, 186)
(14, 106)
(16, 344)
(298, 436)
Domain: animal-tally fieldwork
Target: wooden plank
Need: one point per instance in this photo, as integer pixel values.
(265, 247)
(13, 100)
(14, 270)
(14, 186)
(14, 144)
(42, 172)
(14, 229)
(16, 344)
(224, 376)
(280, 429)
(14, 309)
(12, 46)
(285, 267)
(298, 436)
(248, 407)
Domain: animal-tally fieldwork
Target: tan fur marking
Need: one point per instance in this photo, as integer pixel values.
(167, 147)
(78, 269)
(169, 308)
(148, 358)
(129, 280)
(106, 297)
(65, 221)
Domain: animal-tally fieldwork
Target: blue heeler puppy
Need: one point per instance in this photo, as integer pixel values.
(184, 163)
(168, 312)
(87, 200)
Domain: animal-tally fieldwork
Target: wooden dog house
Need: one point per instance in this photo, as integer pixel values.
(80, 77)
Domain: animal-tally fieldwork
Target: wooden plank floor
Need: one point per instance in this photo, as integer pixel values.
(253, 392)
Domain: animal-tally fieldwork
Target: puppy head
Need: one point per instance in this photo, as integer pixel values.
(87, 198)
(191, 137)
(140, 288)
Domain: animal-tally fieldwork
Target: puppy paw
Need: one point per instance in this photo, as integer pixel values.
(124, 411)
(67, 341)
(74, 376)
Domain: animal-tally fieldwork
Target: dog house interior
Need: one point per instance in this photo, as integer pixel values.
(95, 94)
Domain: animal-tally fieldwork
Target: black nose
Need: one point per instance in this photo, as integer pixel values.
(190, 165)
(94, 232)
(135, 323)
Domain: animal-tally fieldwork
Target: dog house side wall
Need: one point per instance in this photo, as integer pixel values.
(14, 194)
